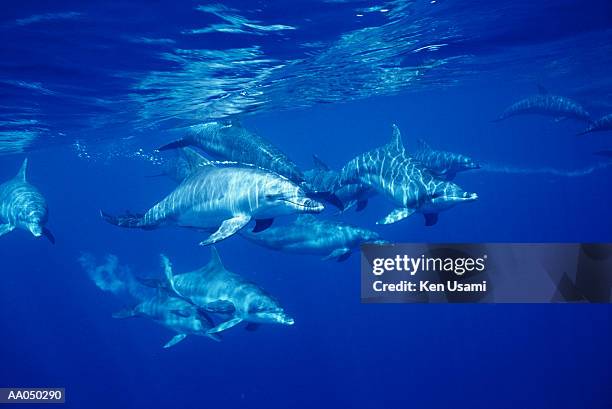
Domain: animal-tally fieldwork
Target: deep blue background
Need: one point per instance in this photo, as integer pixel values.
(56, 327)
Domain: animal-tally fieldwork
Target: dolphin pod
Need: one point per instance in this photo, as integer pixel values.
(310, 235)
(404, 181)
(223, 198)
(544, 103)
(22, 206)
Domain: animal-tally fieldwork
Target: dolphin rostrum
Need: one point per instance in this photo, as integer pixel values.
(546, 104)
(174, 313)
(403, 180)
(309, 235)
(23, 206)
(223, 198)
(214, 289)
(602, 124)
(443, 164)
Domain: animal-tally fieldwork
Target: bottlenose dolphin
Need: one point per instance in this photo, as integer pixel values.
(324, 179)
(443, 164)
(309, 235)
(23, 206)
(232, 142)
(404, 181)
(223, 198)
(217, 290)
(174, 313)
(545, 104)
(602, 124)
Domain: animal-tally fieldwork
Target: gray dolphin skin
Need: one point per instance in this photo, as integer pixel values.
(404, 181)
(443, 164)
(216, 290)
(309, 235)
(175, 314)
(546, 104)
(602, 124)
(23, 206)
(223, 198)
(232, 142)
(186, 162)
(324, 179)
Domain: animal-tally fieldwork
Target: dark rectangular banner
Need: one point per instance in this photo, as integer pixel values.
(486, 273)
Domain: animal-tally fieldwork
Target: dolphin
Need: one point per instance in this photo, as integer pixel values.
(443, 164)
(223, 197)
(309, 235)
(546, 104)
(174, 313)
(324, 179)
(214, 289)
(403, 180)
(602, 124)
(23, 206)
(232, 142)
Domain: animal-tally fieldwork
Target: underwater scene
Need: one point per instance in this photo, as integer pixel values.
(185, 188)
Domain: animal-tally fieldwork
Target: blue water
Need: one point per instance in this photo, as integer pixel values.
(88, 92)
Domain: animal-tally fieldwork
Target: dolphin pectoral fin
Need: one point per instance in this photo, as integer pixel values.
(328, 197)
(560, 119)
(262, 224)
(431, 219)
(149, 282)
(175, 340)
(225, 325)
(396, 215)
(169, 274)
(47, 233)
(361, 204)
(214, 337)
(220, 307)
(227, 228)
(340, 254)
(6, 228)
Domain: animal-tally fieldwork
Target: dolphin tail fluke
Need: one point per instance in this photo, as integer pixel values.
(128, 220)
(181, 143)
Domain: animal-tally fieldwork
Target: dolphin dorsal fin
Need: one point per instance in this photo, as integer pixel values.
(194, 158)
(215, 260)
(21, 175)
(396, 139)
(319, 164)
(542, 90)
